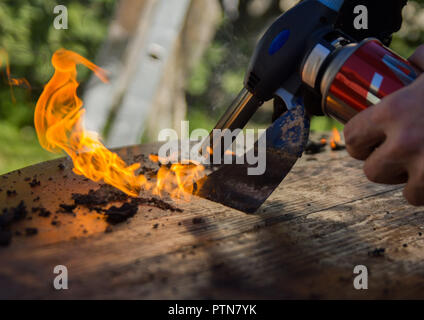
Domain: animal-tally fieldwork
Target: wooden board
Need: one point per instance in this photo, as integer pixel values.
(304, 242)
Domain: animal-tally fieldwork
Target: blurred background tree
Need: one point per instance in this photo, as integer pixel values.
(27, 34)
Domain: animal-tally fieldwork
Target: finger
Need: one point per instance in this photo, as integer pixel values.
(417, 58)
(414, 190)
(363, 135)
(382, 166)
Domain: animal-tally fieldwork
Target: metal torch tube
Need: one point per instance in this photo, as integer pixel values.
(236, 117)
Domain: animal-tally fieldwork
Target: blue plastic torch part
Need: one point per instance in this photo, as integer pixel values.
(279, 41)
(333, 4)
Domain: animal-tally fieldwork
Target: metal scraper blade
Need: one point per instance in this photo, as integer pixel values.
(231, 185)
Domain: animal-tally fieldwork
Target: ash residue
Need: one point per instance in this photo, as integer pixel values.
(377, 252)
(104, 195)
(31, 232)
(95, 200)
(116, 214)
(198, 220)
(11, 193)
(67, 208)
(34, 183)
(7, 217)
(315, 147)
(338, 147)
(42, 212)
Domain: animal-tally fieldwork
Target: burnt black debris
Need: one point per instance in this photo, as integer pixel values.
(67, 208)
(11, 193)
(141, 158)
(198, 220)
(115, 215)
(42, 212)
(61, 166)
(314, 147)
(31, 232)
(5, 237)
(104, 195)
(377, 252)
(19, 212)
(338, 147)
(94, 200)
(55, 223)
(7, 217)
(34, 183)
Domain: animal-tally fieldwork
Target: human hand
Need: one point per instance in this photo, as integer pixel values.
(389, 137)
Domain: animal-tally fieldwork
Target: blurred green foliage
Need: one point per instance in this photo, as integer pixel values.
(28, 35)
(19, 147)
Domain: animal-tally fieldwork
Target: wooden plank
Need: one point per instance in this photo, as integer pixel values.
(303, 243)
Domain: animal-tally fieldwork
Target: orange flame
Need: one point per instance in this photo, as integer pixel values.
(335, 138)
(18, 82)
(178, 180)
(59, 124)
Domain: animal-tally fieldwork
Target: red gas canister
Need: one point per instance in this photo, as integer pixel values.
(356, 76)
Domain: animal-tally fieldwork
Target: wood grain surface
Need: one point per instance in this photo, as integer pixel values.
(304, 242)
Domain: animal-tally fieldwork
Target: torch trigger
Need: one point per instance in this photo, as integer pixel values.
(289, 99)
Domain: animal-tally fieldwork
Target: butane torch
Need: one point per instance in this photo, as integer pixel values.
(302, 57)
(302, 54)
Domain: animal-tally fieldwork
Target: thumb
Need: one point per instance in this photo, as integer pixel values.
(417, 59)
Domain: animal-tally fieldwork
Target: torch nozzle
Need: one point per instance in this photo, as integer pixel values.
(235, 118)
